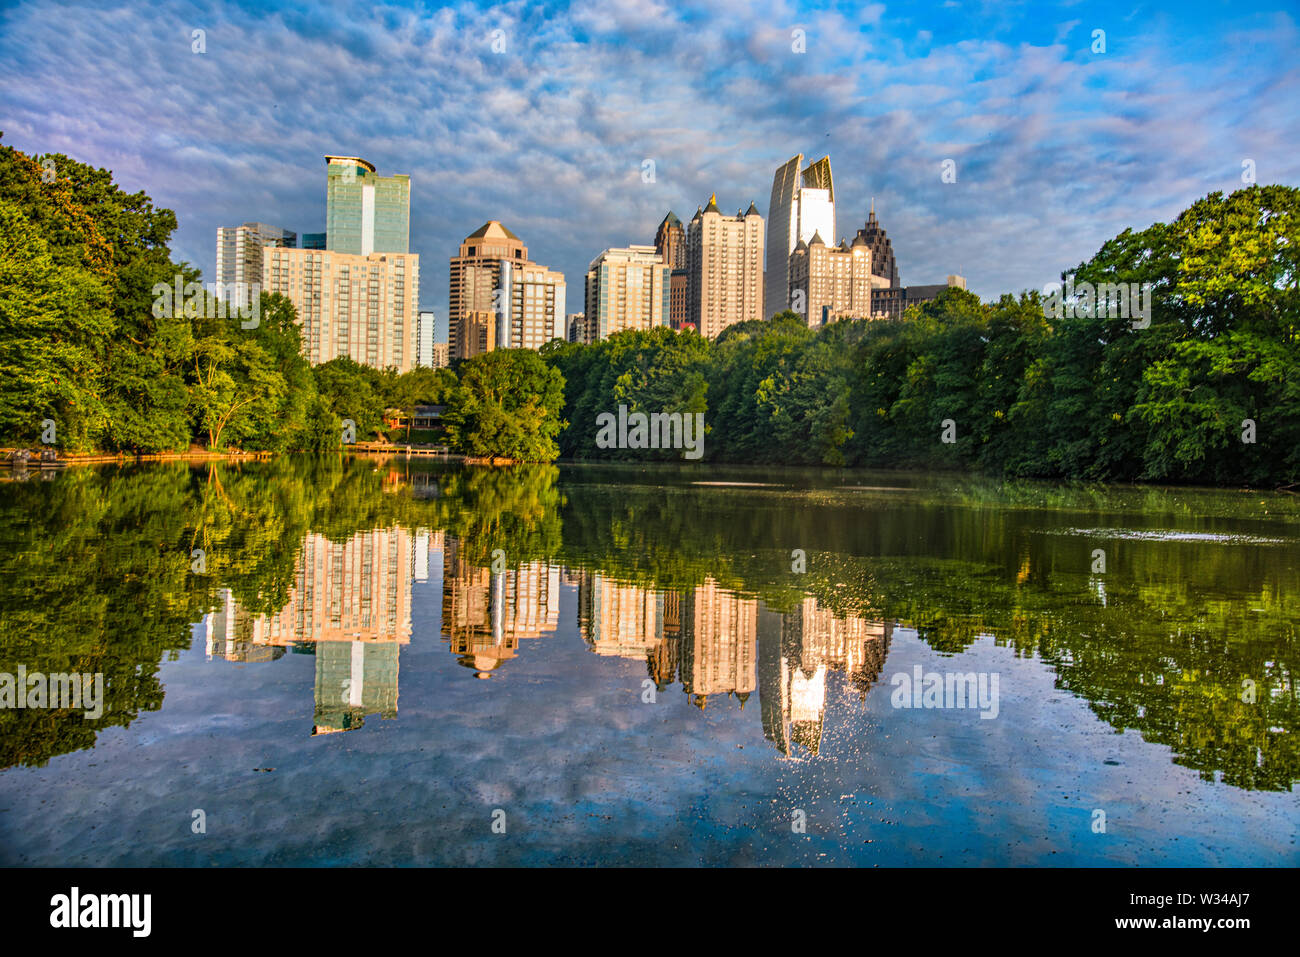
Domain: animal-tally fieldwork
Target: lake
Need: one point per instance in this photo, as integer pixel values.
(322, 661)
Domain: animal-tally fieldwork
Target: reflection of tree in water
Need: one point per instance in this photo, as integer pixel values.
(95, 576)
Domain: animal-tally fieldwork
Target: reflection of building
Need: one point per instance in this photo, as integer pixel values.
(718, 643)
(354, 679)
(796, 652)
(234, 634)
(620, 620)
(486, 614)
(350, 606)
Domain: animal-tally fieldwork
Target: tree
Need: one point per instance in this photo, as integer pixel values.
(507, 405)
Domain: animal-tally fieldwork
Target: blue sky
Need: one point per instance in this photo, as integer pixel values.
(1056, 147)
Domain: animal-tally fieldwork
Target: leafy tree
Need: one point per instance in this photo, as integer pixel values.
(507, 405)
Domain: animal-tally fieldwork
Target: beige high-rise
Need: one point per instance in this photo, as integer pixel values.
(626, 289)
(724, 256)
(493, 283)
(363, 307)
(829, 283)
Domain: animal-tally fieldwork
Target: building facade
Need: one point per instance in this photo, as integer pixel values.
(883, 264)
(493, 283)
(424, 323)
(365, 212)
(670, 242)
(828, 282)
(626, 289)
(363, 307)
(537, 304)
(725, 268)
(802, 204)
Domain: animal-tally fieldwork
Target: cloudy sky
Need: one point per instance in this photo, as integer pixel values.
(1056, 147)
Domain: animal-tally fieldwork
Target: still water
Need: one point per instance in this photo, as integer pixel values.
(319, 661)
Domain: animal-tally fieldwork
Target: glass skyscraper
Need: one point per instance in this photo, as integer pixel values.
(803, 203)
(365, 212)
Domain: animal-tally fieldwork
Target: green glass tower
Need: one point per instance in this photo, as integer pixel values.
(365, 212)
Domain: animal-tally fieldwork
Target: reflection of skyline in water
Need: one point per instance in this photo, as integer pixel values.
(350, 607)
(688, 582)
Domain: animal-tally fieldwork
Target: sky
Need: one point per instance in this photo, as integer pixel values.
(544, 115)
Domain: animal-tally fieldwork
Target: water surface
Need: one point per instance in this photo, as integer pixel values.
(396, 663)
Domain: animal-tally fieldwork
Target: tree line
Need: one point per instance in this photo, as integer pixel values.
(1204, 389)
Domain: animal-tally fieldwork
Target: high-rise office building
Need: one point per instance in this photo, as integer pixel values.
(883, 263)
(626, 289)
(365, 212)
(577, 327)
(239, 257)
(725, 264)
(670, 242)
(828, 282)
(501, 298)
(803, 203)
(313, 240)
(363, 307)
(679, 299)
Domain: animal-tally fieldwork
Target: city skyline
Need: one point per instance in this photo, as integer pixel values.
(1036, 123)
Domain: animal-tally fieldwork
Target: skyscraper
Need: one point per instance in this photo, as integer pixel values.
(725, 265)
(366, 213)
(828, 282)
(239, 257)
(626, 289)
(803, 203)
(363, 307)
(670, 242)
(883, 263)
(494, 284)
